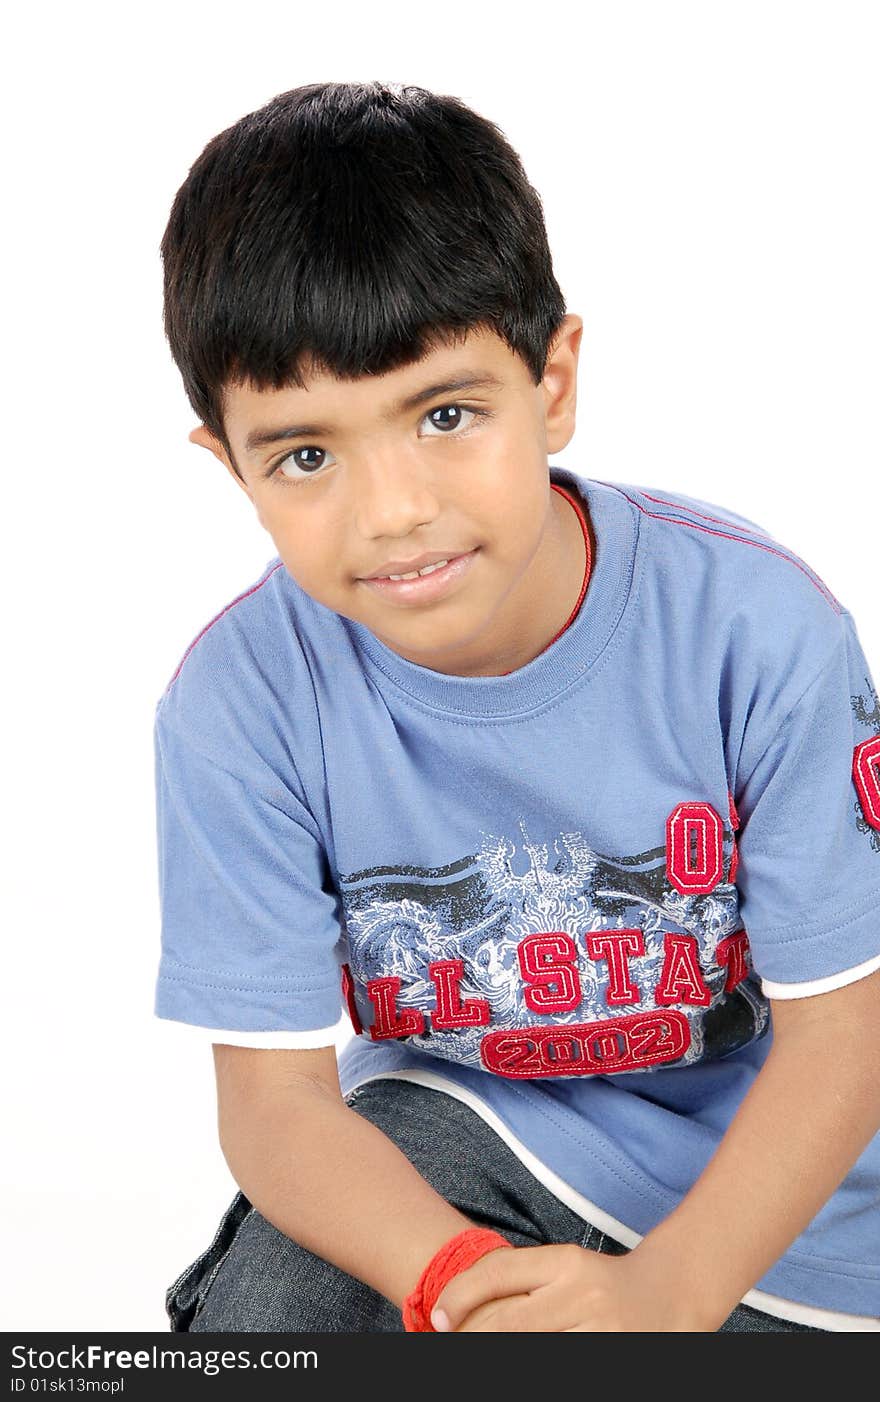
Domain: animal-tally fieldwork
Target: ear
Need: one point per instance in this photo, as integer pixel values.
(206, 439)
(560, 384)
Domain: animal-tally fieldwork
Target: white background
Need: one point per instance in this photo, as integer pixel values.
(709, 179)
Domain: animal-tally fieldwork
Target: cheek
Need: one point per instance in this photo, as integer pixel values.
(516, 484)
(308, 553)
(521, 521)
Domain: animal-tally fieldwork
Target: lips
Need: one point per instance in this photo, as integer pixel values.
(391, 567)
(426, 588)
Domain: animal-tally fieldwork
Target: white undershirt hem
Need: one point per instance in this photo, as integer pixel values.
(820, 985)
(282, 1041)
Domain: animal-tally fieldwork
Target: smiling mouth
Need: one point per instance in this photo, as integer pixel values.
(393, 570)
(417, 574)
(421, 587)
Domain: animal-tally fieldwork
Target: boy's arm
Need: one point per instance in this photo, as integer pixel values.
(321, 1173)
(810, 1112)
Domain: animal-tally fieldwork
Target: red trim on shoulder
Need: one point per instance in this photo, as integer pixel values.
(726, 535)
(720, 520)
(237, 600)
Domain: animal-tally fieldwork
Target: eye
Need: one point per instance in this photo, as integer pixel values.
(447, 428)
(287, 465)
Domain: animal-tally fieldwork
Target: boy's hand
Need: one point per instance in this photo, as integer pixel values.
(563, 1289)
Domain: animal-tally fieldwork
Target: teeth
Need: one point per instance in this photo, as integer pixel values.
(416, 574)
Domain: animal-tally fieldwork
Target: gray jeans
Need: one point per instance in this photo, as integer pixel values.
(253, 1278)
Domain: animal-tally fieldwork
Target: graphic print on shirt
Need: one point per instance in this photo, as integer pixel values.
(532, 962)
(866, 766)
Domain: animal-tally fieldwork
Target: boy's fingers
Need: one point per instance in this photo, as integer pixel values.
(495, 1275)
(502, 1317)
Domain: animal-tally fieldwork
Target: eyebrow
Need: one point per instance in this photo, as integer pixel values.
(261, 437)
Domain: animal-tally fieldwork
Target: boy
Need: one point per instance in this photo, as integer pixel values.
(566, 786)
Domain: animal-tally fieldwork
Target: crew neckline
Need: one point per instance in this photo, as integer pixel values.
(568, 660)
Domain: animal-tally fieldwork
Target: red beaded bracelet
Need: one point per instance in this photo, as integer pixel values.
(454, 1257)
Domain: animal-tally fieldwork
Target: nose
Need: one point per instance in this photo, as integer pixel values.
(394, 495)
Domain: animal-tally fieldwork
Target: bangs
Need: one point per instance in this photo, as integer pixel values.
(351, 229)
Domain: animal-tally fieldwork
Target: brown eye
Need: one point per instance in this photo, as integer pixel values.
(296, 459)
(460, 415)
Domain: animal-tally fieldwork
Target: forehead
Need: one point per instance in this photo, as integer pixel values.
(327, 402)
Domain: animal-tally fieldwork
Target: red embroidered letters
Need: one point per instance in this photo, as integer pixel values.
(866, 777)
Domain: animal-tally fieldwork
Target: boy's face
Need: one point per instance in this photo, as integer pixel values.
(350, 482)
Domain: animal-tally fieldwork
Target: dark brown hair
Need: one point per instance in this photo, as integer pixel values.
(351, 228)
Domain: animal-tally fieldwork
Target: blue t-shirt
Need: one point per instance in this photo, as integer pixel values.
(563, 894)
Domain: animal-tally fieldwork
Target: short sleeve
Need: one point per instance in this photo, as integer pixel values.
(809, 846)
(251, 924)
